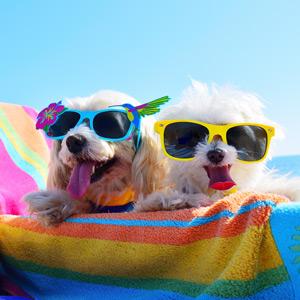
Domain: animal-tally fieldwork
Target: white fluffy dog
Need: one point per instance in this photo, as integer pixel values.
(191, 179)
(117, 166)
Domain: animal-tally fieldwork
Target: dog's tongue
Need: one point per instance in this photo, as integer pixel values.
(219, 178)
(80, 179)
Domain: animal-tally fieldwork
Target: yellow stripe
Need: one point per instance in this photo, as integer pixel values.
(40, 168)
(36, 165)
(201, 262)
(26, 129)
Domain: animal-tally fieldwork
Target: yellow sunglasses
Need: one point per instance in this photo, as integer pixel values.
(179, 138)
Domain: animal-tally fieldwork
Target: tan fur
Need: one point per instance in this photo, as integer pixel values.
(58, 173)
(149, 167)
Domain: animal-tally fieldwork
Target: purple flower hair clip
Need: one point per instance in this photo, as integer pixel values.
(48, 116)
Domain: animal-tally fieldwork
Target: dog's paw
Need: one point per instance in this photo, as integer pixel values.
(197, 200)
(153, 202)
(49, 207)
(172, 200)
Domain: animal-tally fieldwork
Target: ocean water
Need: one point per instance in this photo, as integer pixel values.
(286, 164)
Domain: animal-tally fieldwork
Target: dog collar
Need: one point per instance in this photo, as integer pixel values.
(115, 199)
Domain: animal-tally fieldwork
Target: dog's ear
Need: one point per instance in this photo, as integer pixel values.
(149, 166)
(58, 173)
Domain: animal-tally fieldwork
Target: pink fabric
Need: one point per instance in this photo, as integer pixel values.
(17, 184)
(24, 155)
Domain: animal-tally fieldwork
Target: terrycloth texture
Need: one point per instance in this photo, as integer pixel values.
(24, 156)
(230, 250)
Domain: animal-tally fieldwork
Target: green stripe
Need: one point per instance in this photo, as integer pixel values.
(221, 288)
(295, 248)
(20, 143)
(236, 288)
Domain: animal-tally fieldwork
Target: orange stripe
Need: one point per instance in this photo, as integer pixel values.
(225, 227)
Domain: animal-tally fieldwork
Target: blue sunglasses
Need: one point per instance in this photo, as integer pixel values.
(113, 124)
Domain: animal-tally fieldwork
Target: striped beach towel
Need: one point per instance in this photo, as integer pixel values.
(24, 155)
(245, 246)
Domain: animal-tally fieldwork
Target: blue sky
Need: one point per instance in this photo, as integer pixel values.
(55, 49)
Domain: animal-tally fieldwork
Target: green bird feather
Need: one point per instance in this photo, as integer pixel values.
(152, 107)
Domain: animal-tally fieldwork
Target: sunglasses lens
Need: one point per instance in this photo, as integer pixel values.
(181, 138)
(64, 123)
(250, 142)
(111, 124)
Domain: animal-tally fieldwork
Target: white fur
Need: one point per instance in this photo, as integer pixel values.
(217, 105)
(142, 171)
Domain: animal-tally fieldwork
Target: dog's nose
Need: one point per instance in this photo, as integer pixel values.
(215, 156)
(75, 143)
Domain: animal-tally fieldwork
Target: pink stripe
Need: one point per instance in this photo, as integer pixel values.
(15, 183)
(30, 111)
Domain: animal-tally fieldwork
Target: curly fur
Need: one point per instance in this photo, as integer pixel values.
(144, 171)
(217, 105)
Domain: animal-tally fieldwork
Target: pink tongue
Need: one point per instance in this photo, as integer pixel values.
(219, 178)
(80, 179)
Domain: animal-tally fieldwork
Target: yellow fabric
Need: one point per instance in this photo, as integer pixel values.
(231, 253)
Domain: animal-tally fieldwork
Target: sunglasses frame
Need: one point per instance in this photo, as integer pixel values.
(90, 115)
(213, 131)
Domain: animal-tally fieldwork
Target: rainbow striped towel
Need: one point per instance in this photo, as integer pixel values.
(246, 246)
(24, 155)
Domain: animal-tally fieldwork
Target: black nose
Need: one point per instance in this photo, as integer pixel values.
(75, 143)
(215, 156)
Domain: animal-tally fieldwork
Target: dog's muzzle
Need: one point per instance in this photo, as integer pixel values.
(76, 143)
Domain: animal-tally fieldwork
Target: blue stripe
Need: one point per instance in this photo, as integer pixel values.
(198, 221)
(44, 287)
(20, 162)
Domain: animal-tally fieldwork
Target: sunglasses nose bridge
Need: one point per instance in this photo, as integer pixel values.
(87, 122)
(216, 134)
(217, 137)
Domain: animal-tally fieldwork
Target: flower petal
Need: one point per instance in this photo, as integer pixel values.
(52, 106)
(59, 108)
(42, 112)
(40, 124)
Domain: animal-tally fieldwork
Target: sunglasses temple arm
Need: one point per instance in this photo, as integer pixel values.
(138, 140)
